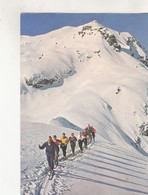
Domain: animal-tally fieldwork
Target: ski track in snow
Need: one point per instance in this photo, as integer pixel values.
(106, 165)
(102, 164)
(38, 182)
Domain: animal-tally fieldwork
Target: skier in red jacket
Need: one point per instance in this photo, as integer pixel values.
(57, 142)
(93, 133)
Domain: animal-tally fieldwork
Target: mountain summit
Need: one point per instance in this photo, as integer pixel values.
(47, 59)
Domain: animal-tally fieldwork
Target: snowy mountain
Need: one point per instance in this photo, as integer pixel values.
(78, 75)
(48, 59)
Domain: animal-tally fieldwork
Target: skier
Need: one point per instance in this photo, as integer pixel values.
(85, 135)
(93, 133)
(57, 142)
(51, 147)
(89, 131)
(64, 142)
(72, 140)
(138, 141)
(80, 141)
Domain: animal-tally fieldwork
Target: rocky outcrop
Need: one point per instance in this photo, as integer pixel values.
(107, 35)
(144, 129)
(110, 38)
(133, 44)
(39, 81)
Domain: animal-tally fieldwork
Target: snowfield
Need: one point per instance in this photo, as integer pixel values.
(79, 75)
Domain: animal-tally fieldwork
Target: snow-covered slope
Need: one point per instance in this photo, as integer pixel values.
(47, 59)
(79, 75)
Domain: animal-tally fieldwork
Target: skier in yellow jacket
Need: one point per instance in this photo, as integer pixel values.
(64, 142)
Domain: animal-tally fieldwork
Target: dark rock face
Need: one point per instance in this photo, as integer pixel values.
(144, 61)
(37, 81)
(132, 42)
(110, 38)
(43, 82)
(144, 129)
(86, 28)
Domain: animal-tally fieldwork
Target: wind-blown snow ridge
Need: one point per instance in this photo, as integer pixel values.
(62, 122)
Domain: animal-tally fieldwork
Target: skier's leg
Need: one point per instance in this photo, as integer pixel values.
(73, 148)
(82, 141)
(93, 135)
(85, 142)
(90, 138)
(48, 159)
(51, 162)
(56, 159)
(63, 150)
(81, 145)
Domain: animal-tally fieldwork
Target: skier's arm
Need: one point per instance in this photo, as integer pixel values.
(67, 141)
(59, 141)
(43, 146)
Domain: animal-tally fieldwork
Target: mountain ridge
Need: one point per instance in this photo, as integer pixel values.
(42, 50)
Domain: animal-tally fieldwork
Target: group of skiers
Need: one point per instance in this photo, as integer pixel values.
(52, 145)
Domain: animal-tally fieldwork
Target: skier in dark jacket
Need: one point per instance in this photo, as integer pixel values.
(89, 131)
(80, 141)
(93, 133)
(51, 147)
(72, 140)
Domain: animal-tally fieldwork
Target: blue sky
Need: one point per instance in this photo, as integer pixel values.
(39, 23)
